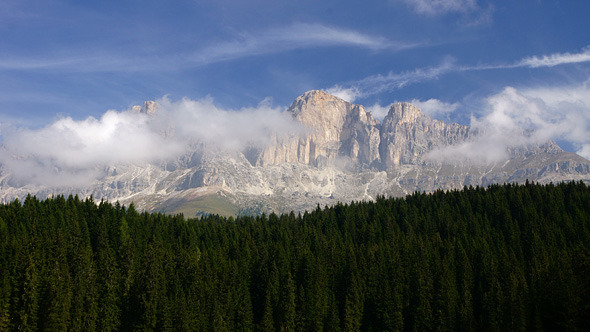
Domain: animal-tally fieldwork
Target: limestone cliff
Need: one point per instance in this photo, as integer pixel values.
(338, 129)
(335, 128)
(407, 135)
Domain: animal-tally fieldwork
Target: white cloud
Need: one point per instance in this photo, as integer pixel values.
(74, 153)
(379, 83)
(536, 61)
(517, 118)
(276, 40)
(295, 36)
(376, 84)
(348, 94)
(556, 59)
(318, 34)
(201, 120)
(434, 107)
(70, 152)
(379, 112)
(439, 7)
(115, 137)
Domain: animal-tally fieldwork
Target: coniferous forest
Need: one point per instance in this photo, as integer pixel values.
(502, 258)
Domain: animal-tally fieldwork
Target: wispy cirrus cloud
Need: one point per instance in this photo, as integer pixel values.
(276, 40)
(556, 59)
(378, 83)
(537, 61)
(471, 12)
(439, 7)
(81, 62)
(295, 36)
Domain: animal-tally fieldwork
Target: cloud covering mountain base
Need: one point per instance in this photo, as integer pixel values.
(522, 117)
(70, 153)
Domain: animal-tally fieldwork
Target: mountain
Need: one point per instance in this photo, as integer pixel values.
(341, 154)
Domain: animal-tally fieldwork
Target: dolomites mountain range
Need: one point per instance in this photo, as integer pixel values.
(341, 154)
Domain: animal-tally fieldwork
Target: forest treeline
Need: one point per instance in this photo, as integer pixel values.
(502, 258)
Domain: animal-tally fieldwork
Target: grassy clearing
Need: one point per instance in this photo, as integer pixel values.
(210, 204)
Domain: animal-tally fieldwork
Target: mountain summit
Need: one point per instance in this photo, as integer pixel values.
(341, 130)
(341, 154)
(336, 129)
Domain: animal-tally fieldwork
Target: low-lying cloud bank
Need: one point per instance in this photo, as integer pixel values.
(519, 117)
(74, 153)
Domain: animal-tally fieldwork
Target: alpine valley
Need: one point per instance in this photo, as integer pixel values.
(342, 154)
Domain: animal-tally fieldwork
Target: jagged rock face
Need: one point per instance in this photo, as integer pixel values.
(407, 134)
(300, 171)
(149, 107)
(336, 128)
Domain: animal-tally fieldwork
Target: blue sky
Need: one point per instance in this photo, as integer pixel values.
(454, 58)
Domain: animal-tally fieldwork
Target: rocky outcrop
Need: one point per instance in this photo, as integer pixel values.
(407, 135)
(149, 107)
(335, 128)
(341, 130)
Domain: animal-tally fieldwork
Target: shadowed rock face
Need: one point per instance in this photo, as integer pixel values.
(343, 155)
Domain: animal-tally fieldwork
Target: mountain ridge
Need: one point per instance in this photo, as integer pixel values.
(343, 154)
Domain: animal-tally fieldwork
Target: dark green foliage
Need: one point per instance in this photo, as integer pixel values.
(504, 258)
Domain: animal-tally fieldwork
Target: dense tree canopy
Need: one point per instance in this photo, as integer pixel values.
(502, 258)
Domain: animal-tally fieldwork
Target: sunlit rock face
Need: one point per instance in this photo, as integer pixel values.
(341, 154)
(336, 128)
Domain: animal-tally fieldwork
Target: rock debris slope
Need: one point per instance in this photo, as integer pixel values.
(343, 154)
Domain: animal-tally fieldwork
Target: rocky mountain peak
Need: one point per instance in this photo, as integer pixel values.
(405, 113)
(336, 128)
(149, 107)
(318, 109)
(316, 98)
